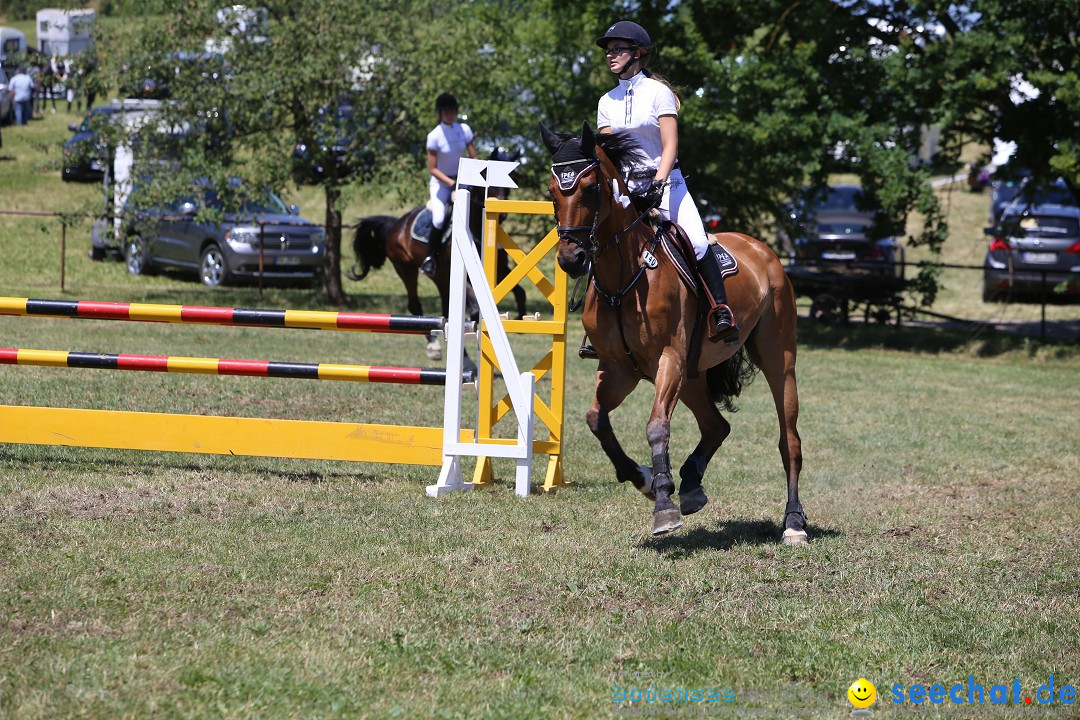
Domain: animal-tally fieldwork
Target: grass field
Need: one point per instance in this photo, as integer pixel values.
(939, 479)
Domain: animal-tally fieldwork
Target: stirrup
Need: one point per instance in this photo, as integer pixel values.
(587, 352)
(428, 266)
(721, 323)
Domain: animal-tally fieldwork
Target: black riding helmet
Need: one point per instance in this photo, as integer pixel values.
(632, 33)
(626, 30)
(446, 101)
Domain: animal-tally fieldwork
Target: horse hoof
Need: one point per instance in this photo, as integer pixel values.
(665, 521)
(434, 351)
(795, 537)
(693, 501)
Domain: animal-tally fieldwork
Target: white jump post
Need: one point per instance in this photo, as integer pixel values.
(465, 262)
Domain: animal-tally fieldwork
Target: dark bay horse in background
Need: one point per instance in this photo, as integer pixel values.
(641, 317)
(382, 237)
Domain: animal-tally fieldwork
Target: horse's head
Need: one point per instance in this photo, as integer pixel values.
(581, 188)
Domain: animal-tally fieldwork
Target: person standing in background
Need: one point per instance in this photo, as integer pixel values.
(22, 88)
(71, 83)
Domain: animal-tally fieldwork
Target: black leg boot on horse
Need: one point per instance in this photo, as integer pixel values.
(431, 262)
(721, 321)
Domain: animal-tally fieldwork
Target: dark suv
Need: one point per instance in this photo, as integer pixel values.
(175, 235)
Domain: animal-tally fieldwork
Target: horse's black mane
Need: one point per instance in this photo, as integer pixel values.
(622, 149)
(619, 146)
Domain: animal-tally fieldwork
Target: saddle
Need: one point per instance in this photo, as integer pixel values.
(677, 246)
(422, 227)
(680, 250)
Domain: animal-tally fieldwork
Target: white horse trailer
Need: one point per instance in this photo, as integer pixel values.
(64, 32)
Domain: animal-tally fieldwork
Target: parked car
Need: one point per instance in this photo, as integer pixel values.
(1023, 192)
(148, 76)
(832, 230)
(7, 106)
(175, 235)
(339, 139)
(1033, 250)
(86, 155)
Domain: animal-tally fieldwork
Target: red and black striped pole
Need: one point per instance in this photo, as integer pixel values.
(195, 314)
(225, 366)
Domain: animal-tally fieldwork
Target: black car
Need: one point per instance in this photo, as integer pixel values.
(86, 154)
(339, 133)
(149, 77)
(832, 230)
(1017, 193)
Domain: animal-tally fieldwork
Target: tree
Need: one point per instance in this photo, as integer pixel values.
(777, 94)
(265, 83)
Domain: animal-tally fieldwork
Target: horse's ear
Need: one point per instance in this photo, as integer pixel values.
(553, 141)
(588, 140)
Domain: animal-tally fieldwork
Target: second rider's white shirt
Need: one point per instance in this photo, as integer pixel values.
(636, 106)
(449, 141)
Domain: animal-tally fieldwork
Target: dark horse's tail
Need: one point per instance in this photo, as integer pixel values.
(369, 244)
(727, 379)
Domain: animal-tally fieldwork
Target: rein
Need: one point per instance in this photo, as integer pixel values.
(568, 180)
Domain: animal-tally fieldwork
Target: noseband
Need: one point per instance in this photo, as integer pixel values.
(568, 179)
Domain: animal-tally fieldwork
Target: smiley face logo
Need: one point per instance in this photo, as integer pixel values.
(862, 693)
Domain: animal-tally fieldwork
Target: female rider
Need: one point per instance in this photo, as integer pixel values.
(444, 147)
(647, 109)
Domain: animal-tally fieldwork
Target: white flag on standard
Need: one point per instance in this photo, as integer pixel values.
(486, 173)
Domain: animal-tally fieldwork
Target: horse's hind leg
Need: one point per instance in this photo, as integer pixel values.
(612, 387)
(714, 430)
(409, 276)
(773, 351)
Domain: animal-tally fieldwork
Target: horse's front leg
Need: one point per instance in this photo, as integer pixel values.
(613, 384)
(670, 376)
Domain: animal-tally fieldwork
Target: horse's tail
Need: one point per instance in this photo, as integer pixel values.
(369, 244)
(726, 380)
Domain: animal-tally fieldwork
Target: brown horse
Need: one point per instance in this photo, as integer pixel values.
(381, 237)
(641, 317)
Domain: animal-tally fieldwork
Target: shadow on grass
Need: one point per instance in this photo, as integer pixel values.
(122, 467)
(726, 535)
(984, 341)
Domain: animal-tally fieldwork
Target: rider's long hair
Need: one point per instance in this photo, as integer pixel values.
(646, 55)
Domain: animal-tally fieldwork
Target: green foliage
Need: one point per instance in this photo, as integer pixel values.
(776, 95)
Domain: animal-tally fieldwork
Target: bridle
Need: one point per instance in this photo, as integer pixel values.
(568, 180)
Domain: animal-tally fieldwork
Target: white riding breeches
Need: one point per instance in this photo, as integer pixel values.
(678, 206)
(440, 201)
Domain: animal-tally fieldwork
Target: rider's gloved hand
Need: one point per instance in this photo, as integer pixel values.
(650, 196)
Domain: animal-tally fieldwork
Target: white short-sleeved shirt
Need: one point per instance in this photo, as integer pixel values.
(636, 106)
(449, 141)
(22, 85)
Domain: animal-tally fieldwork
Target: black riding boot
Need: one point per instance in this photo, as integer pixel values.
(721, 321)
(431, 262)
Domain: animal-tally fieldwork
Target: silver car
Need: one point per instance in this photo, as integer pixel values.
(1033, 251)
(175, 236)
